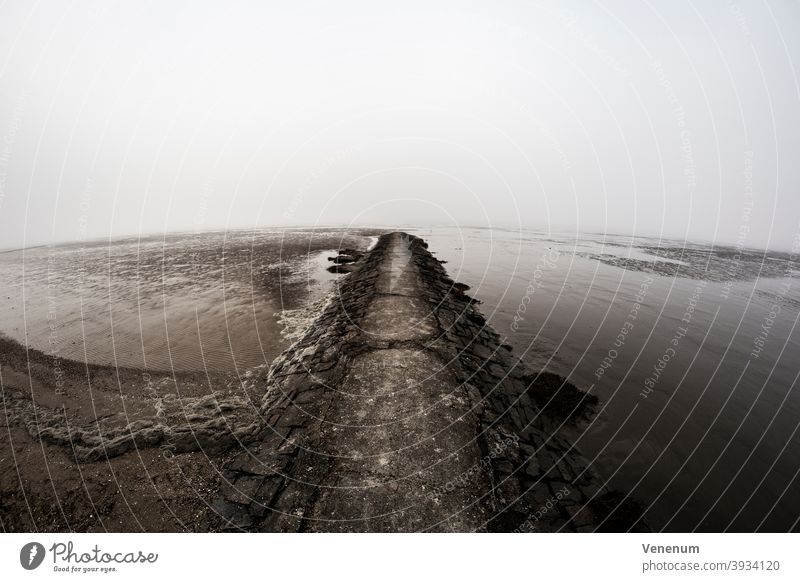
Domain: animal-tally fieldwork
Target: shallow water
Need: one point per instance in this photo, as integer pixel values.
(209, 301)
(699, 414)
(708, 438)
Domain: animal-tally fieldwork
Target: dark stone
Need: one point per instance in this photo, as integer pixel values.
(580, 516)
(559, 398)
(532, 467)
(618, 513)
(230, 515)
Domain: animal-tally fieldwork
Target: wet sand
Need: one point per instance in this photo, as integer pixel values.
(210, 301)
(228, 298)
(43, 489)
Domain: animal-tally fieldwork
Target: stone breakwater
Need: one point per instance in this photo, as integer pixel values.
(400, 409)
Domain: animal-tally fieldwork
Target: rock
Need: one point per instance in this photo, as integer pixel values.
(330, 476)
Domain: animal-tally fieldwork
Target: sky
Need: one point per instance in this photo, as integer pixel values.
(674, 119)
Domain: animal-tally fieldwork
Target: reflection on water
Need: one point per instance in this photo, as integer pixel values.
(699, 417)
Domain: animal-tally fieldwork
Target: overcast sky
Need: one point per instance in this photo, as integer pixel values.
(672, 118)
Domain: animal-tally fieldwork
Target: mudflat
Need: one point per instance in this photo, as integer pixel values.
(61, 402)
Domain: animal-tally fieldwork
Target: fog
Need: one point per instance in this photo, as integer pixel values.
(678, 119)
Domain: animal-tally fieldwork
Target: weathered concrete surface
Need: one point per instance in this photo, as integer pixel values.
(400, 410)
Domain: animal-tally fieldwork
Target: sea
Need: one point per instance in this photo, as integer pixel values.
(693, 349)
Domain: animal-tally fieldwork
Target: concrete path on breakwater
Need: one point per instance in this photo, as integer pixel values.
(401, 410)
